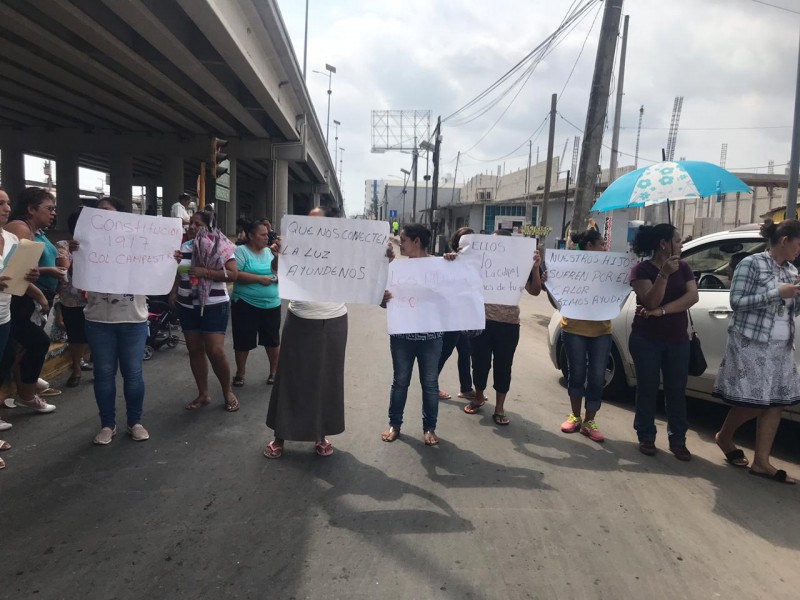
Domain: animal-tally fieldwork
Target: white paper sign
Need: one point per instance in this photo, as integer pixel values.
(333, 260)
(433, 294)
(504, 264)
(123, 253)
(589, 285)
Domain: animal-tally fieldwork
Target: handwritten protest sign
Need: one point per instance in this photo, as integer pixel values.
(333, 260)
(123, 253)
(589, 285)
(432, 294)
(504, 264)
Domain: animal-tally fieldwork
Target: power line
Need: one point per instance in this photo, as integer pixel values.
(776, 6)
(716, 128)
(565, 24)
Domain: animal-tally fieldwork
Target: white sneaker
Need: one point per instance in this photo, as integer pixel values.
(104, 436)
(138, 433)
(5, 425)
(36, 403)
(9, 403)
(41, 384)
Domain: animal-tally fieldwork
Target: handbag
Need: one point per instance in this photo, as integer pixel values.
(697, 361)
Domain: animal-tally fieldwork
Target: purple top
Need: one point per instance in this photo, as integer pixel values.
(671, 328)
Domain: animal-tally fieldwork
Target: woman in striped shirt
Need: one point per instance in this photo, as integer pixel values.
(201, 294)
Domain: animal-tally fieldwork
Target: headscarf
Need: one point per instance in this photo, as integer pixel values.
(212, 249)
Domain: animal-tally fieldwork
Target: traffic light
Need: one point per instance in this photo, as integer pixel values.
(219, 160)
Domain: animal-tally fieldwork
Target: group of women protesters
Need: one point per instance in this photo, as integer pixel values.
(758, 375)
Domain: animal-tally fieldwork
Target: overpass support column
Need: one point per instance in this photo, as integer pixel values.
(151, 196)
(278, 192)
(315, 199)
(260, 209)
(67, 187)
(122, 178)
(171, 182)
(13, 174)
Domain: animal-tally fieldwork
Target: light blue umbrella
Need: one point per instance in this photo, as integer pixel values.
(665, 181)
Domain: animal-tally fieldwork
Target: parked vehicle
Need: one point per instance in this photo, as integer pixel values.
(710, 257)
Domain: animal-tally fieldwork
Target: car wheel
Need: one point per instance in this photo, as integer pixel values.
(616, 387)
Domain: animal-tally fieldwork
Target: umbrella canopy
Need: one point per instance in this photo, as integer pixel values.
(665, 181)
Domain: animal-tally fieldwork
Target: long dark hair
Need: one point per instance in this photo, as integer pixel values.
(118, 204)
(773, 232)
(32, 197)
(584, 238)
(648, 238)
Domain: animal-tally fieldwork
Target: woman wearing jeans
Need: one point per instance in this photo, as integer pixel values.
(116, 329)
(587, 344)
(659, 341)
(424, 347)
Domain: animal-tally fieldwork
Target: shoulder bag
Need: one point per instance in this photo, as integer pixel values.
(697, 362)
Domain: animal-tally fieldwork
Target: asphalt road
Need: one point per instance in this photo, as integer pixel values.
(517, 512)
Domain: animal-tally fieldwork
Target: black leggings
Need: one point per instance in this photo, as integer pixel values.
(500, 340)
(30, 337)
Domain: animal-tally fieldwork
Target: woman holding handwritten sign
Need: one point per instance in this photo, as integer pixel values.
(587, 344)
(498, 342)
(424, 347)
(34, 210)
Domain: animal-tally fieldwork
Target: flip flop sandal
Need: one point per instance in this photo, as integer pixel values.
(736, 458)
(430, 438)
(50, 392)
(2, 464)
(273, 450)
(238, 381)
(444, 395)
(473, 407)
(500, 419)
(271, 379)
(390, 434)
(232, 404)
(197, 403)
(779, 476)
(324, 448)
(4, 445)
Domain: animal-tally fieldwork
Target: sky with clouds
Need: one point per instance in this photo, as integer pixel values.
(733, 61)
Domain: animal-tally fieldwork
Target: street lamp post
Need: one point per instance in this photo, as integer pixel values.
(331, 70)
(407, 174)
(335, 141)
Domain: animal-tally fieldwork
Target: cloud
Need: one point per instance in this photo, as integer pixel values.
(733, 61)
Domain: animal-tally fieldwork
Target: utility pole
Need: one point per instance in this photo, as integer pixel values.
(455, 178)
(437, 140)
(414, 196)
(549, 170)
(794, 160)
(612, 169)
(596, 115)
(528, 172)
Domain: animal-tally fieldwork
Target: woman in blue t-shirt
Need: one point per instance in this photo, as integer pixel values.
(255, 304)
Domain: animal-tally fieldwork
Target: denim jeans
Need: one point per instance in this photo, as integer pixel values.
(427, 355)
(587, 358)
(653, 361)
(112, 345)
(459, 341)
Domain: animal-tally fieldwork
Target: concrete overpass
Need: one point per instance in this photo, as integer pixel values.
(137, 88)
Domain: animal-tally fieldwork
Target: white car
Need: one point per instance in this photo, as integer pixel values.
(710, 258)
